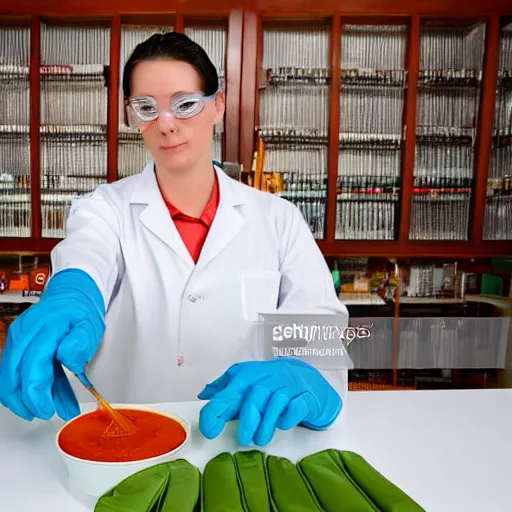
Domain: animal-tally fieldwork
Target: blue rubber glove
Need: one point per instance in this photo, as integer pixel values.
(265, 395)
(66, 326)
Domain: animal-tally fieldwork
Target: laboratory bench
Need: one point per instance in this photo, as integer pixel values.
(448, 450)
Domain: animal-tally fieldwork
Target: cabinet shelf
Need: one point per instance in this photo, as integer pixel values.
(296, 77)
(389, 133)
(291, 136)
(451, 78)
(369, 141)
(373, 78)
(358, 197)
(10, 131)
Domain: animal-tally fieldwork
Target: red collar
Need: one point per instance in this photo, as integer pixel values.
(208, 213)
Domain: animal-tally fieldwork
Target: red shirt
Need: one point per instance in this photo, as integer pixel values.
(194, 230)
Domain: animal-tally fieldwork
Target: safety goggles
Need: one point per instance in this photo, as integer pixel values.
(181, 106)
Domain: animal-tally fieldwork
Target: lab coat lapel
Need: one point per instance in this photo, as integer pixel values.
(155, 216)
(228, 221)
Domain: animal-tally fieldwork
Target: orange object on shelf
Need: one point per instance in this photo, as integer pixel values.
(38, 279)
(260, 164)
(156, 434)
(19, 282)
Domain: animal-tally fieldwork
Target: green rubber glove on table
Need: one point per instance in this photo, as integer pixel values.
(251, 481)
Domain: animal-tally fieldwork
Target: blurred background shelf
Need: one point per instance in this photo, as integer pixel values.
(402, 165)
(293, 115)
(373, 83)
(448, 103)
(389, 125)
(74, 78)
(390, 132)
(15, 198)
(433, 323)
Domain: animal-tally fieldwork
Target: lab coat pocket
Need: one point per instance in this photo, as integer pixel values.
(260, 293)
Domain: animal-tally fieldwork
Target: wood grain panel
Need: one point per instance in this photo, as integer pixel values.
(113, 98)
(389, 8)
(233, 78)
(419, 249)
(338, 248)
(413, 64)
(179, 23)
(248, 88)
(109, 7)
(485, 128)
(334, 130)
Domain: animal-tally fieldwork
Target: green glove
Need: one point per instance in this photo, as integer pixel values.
(386, 495)
(335, 489)
(290, 492)
(344, 481)
(168, 487)
(253, 480)
(221, 491)
(327, 481)
(236, 483)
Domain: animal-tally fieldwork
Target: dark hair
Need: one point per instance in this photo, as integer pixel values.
(172, 46)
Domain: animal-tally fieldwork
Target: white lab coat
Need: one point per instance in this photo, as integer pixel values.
(172, 325)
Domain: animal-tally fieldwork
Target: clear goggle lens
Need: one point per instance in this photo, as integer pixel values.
(183, 106)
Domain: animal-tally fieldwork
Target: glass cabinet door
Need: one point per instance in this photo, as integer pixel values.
(373, 81)
(498, 210)
(294, 117)
(15, 203)
(448, 103)
(74, 98)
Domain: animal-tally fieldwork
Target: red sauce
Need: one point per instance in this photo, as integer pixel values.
(156, 434)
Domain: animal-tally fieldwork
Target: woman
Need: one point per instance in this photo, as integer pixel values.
(161, 276)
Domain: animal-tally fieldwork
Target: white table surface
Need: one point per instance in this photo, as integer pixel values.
(449, 450)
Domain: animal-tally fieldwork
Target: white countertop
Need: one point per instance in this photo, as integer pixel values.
(449, 450)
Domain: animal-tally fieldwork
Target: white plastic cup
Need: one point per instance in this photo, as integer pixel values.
(96, 478)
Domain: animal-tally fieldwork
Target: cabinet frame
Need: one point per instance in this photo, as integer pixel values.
(243, 64)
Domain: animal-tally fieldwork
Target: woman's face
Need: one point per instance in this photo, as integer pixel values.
(175, 144)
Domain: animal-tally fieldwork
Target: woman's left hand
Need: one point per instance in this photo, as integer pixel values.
(265, 395)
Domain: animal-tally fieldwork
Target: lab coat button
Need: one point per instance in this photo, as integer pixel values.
(192, 298)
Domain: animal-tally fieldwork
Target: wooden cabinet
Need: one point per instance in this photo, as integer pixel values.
(387, 124)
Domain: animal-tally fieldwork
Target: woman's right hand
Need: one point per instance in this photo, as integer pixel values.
(66, 326)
